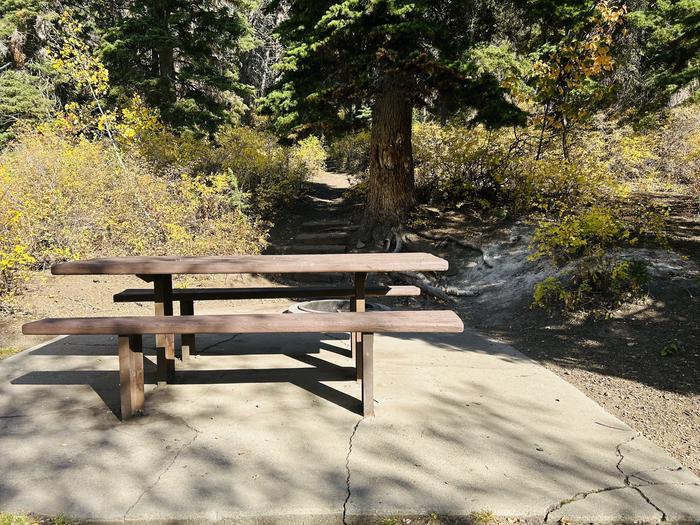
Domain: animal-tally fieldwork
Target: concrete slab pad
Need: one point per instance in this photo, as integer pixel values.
(266, 429)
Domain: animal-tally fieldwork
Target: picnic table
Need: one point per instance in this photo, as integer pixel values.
(159, 271)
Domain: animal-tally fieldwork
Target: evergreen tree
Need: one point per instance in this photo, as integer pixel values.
(665, 47)
(180, 55)
(397, 55)
(26, 94)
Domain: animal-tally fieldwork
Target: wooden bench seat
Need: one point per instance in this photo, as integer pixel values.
(130, 329)
(187, 297)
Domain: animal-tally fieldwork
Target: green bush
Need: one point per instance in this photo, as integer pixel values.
(350, 153)
(458, 165)
(598, 284)
(588, 233)
(271, 174)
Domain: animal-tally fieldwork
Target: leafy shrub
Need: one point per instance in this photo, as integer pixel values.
(310, 154)
(350, 153)
(455, 164)
(597, 284)
(253, 162)
(67, 197)
(588, 233)
(555, 187)
(271, 174)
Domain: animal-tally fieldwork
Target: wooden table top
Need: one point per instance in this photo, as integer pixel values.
(321, 263)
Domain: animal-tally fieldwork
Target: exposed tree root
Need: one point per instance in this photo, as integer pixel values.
(459, 242)
(444, 293)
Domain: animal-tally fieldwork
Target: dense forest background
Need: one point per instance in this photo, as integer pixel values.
(179, 127)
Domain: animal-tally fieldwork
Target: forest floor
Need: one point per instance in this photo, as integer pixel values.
(616, 361)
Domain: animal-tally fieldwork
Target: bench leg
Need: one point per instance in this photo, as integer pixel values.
(130, 375)
(357, 304)
(366, 348)
(188, 342)
(165, 343)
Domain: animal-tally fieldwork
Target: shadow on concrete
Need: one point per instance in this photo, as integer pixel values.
(464, 427)
(105, 383)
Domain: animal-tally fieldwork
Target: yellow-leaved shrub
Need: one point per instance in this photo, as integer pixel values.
(68, 197)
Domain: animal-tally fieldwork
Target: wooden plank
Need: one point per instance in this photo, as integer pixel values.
(367, 374)
(261, 264)
(131, 375)
(423, 321)
(267, 292)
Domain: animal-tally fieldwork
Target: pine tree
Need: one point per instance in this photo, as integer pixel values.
(666, 42)
(26, 94)
(180, 55)
(395, 55)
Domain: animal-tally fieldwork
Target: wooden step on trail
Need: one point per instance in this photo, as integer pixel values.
(315, 249)
(321, 238)
(315, 225)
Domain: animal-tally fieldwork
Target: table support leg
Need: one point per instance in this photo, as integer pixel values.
(165, 343)
(130, 375)
(358, 305)
(188, 341)
(366, 348)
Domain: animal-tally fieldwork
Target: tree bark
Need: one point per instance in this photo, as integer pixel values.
(391, 182)
(165, 51)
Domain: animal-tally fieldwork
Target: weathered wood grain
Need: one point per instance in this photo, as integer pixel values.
(350, 262)
(381, 322)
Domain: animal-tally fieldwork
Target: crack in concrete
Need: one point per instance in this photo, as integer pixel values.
(201, 350)
(636, 488)
(165, 470)
(347, 469)
(579, 496)
(627, 484)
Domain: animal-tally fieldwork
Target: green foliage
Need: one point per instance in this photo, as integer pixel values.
(597, 284)
(457, 164)
(180, 56)
(483, 517)
(671, 349)
(589, 233)
(340, 53)
(31, 519)
(350, 153)
(568, 71)
(273, 175)
(23, 98)
(666, 37)
(67, 197)
(4, 353)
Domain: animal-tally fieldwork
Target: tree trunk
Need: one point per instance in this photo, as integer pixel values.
(391, 183)
(165, 51)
